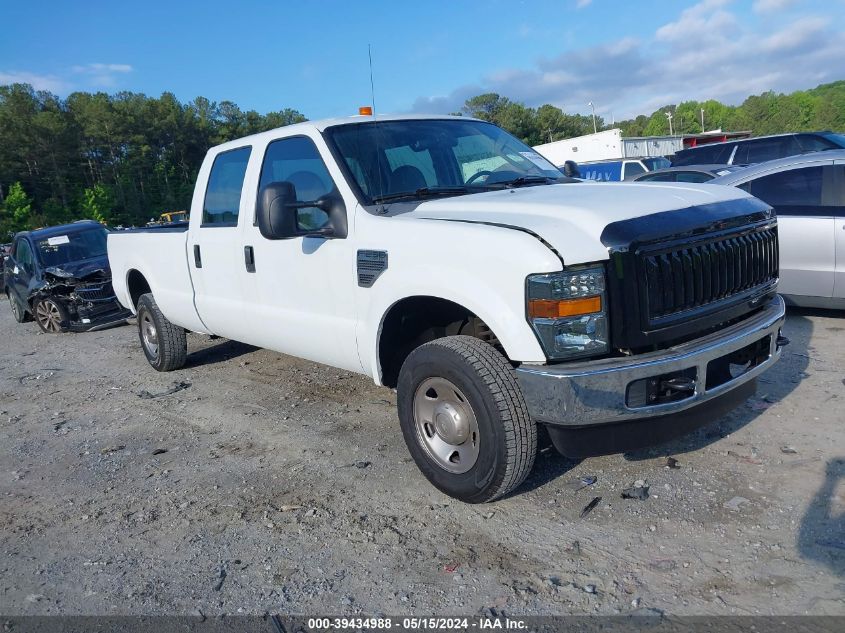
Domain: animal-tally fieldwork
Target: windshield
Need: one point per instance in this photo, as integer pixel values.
(656, 162)
(395, 159)
(72, 247)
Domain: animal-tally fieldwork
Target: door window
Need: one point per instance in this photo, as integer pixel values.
(297, 160)
(23, 256)
(791, 192)
(225, 183)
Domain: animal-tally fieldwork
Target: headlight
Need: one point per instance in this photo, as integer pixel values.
(568, 312)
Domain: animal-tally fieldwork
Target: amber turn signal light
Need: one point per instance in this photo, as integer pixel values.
(548, 309)
(365, 111)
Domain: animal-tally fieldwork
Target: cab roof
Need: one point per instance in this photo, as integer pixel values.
(323, 124)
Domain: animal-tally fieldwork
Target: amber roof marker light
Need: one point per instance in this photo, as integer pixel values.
(365, 110)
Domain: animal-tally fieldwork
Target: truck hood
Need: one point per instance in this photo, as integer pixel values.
(571, 217)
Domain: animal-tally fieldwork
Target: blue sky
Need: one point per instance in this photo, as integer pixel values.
(626, 57)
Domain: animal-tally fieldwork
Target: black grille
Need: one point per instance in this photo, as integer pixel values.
(677, 279)
(95, 292)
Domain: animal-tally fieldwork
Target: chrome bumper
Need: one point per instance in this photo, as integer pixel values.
(595, 392)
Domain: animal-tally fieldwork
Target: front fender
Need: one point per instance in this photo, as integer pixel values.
(479, 267)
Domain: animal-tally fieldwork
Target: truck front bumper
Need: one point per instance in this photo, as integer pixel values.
(604, 392)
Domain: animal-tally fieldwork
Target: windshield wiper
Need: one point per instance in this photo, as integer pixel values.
(422, 193)
(525, 180)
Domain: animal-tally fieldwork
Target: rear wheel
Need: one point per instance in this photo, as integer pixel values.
(464, 419)
(51, 316)
(165, 344)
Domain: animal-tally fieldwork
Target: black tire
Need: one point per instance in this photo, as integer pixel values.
(19, 312)
(507, 442)
(50, 315)
(165, 345)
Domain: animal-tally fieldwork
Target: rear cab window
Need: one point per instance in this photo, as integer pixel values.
(225, 184)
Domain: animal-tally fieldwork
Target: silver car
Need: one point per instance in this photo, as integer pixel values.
(808, 194)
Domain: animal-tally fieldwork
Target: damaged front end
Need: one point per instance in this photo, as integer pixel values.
(85, 302)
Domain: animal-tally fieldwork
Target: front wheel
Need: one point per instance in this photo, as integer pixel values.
(165, 344)
(18, 311)
(51, 316)
(464, 419)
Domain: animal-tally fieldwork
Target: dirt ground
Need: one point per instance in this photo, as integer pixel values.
(265, 483)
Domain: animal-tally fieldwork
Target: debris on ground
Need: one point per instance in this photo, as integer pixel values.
(112, 449)
(362, 464)
(663, 564)
(580, 483)
(788, 450)
(176, 388)
(221, 576)
(159, 451)
(639, 492)
(672, 463)
(734, 504)
(590, 506)
(451, 568)
(590, 588)
(748, 459)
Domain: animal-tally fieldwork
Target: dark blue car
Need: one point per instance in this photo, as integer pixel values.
(60, 276)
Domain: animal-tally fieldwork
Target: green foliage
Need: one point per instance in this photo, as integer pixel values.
(16, 212)
(123, 158)
(533, 126)
(822, 108)
(97, 204)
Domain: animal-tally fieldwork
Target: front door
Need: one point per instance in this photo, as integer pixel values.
(805, 227)
(302, 289)
(839, 230)
(22, 263)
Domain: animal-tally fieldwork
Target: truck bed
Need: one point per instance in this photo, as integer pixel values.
(160, 255)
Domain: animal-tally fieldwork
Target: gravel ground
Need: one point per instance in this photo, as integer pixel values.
(267, 483)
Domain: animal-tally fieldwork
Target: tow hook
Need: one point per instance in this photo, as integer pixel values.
(678, 383)
(782, 341)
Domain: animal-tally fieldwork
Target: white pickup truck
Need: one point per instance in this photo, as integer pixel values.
(443, 257)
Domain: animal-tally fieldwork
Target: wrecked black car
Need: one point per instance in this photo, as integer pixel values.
(60, 276)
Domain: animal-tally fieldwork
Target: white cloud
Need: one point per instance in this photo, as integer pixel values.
(102, 75)
(583, 3)
(771, 6)
(37, 81)
(705, 53)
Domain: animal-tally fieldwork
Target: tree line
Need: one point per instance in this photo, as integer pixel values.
(120, 159)
(821, 108)
(127, 157)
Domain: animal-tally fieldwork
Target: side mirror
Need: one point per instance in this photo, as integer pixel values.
(570, 169)
(281, 216)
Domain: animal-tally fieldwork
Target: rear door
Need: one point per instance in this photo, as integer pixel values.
(802, 199)
(839, 229)
(214, 249)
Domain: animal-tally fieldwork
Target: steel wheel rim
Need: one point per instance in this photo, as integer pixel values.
(149, 334)
(446, 426)
(48, 316)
